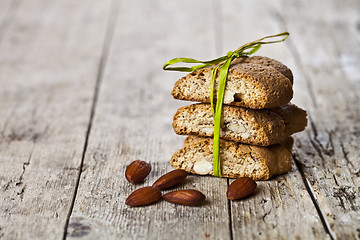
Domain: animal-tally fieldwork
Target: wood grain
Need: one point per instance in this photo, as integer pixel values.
(328, 153)
(48, 79)
(282, 207)
(83, 94)
(133, 121)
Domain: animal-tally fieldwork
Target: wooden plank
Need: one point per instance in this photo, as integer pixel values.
(282, 207)
(49, 61)
(329, 153)
(133, 121)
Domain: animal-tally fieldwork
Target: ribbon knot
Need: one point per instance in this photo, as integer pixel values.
(224, 63)
(231, 53)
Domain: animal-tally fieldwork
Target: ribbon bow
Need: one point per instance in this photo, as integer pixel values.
(223, 63)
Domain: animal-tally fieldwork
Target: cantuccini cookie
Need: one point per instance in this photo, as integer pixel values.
(265, 61)
(258, 127)
(251, 83)
(237, 160)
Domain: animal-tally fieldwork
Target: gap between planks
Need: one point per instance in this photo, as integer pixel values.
(110, 31)
(314, 200)
(294, 52)
(106, 47)
(219, 45)
(230, 215)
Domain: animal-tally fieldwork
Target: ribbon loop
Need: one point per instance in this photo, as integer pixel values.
(223, 63)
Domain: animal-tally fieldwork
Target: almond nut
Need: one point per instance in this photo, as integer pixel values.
(188, 197)
(229, 96)
(202, 167)
(143, 196)
(137, 171)
(240, 188)
(170, 179)
(238, 128)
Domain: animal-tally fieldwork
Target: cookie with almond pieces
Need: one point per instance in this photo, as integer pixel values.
(237, 160)
(251, 83)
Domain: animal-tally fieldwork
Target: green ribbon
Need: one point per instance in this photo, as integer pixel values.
(223, 63)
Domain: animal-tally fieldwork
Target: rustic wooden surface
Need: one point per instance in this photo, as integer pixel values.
(83, 94)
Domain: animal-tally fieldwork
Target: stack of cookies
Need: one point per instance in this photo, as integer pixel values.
(256, 124)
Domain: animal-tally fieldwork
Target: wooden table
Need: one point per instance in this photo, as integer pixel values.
(83, 95)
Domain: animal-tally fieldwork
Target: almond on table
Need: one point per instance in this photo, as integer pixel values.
(188, 197)
(137, 171)
(170, 179)
(143, 196)
(241, 188)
